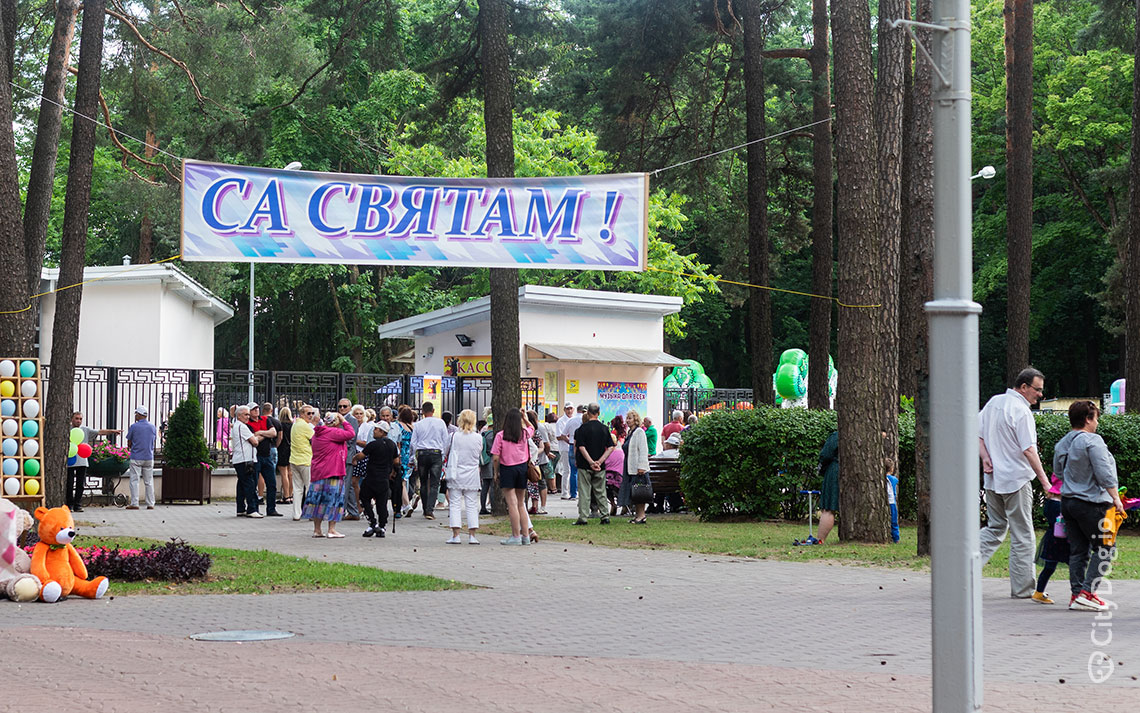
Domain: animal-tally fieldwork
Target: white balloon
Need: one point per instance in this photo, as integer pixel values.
(10, 427)
(11, 486)
(7, 367)
(31, 447)
(28, 388)
(31, 409)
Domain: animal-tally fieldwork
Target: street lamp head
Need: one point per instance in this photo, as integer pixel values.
(987, 173)
(293, 166)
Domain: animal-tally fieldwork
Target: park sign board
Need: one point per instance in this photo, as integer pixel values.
(246, 214)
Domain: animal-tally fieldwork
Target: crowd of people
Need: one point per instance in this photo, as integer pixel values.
(351, 463)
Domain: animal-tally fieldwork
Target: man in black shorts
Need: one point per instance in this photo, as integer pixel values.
(383, 462)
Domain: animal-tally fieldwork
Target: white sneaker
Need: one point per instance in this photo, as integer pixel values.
(255, 515)
(471, 540)
(1088, 601)
(453, 540)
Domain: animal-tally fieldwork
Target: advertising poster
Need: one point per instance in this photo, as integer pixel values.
(550, 387)
(572, 386)
(433, 390)
(618, 397)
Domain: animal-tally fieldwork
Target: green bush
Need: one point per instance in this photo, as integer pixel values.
(754, 463)
(185, 445)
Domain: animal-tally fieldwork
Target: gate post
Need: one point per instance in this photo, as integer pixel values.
(112, 397)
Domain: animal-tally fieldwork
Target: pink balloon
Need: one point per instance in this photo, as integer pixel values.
(84, 450)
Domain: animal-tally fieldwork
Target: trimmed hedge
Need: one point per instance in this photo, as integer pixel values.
(754, 463)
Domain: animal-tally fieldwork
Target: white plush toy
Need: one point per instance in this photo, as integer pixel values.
(16, 582)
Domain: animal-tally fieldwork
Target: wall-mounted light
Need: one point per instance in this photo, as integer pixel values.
(464, 340)
(430, 351)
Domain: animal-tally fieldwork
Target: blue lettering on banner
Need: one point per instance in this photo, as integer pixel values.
(238, 213)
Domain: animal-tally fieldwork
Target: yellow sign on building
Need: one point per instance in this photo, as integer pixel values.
(475, 366)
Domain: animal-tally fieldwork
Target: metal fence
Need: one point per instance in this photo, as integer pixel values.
(108, 395)
(702, 401)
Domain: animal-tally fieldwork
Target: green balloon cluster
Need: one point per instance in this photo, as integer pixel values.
(791, 377)
(691, 375)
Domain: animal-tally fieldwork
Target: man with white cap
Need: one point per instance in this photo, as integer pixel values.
(140, 440)
(383, 461)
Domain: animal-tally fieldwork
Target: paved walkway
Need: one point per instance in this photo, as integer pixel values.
(557, 627)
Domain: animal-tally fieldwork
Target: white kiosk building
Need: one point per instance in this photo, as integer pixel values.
(585, 345)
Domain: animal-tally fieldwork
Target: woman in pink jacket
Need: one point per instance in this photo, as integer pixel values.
(325, 498)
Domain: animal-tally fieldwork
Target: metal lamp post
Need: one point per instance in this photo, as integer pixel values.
(955, 562)
(292, 166)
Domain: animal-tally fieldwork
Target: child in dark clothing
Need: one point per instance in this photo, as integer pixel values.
(383, 460)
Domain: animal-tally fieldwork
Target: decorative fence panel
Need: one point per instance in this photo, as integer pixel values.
(702, 401)
(107, 395)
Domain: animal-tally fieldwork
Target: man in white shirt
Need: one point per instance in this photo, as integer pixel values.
(570, 427)
(1008, 447)
(244, 445)
(563, 445)
(429, 437)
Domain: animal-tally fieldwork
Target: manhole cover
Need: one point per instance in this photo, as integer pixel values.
(242, 635)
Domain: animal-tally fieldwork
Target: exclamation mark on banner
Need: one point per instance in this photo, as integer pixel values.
(613, 205)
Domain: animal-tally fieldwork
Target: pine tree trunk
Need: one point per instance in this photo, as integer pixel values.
(920, 268)
(37, 204)
(146, 225)
(1019, 179)
(888, 131)
(822, 260)
(863, 507)
(65, 331)
(494, 20)
(17, 314)
(1132, 339)
(759, 301)
(910, 311)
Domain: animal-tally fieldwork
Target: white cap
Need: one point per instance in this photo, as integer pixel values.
(382, 425)
(674, 440)
(141, 410)
(253, 405)
(568, 405)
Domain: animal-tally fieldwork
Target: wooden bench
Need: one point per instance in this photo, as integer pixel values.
(665, 474)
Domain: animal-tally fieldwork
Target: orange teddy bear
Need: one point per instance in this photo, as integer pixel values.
(56, 562)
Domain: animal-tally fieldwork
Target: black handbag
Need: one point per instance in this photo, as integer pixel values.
(641, 490)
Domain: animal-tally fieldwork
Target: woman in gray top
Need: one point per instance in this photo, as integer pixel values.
(1088, 497)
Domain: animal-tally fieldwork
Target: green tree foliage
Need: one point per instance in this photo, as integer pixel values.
(387, 87)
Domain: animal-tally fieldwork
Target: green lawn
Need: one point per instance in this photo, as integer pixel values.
(264, 572)
(772, 540)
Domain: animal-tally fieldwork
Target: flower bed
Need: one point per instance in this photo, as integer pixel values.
(174, 561)
(101, 450)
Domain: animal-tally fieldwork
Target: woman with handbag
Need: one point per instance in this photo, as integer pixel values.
(636, 489)
(511, 457)
(1090, 504)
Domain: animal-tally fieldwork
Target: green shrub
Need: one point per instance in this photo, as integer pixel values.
(754, 463)
(185, 444)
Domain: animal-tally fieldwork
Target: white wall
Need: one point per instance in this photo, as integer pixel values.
(144, 324)
(546, 325)
(117, 324)
(185, 335)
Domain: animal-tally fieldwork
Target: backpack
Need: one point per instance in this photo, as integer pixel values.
(488, 442)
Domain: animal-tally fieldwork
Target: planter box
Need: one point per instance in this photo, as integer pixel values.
(185, 484)
(107, 466)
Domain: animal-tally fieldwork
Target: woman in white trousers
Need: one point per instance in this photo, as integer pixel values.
(463, 481)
